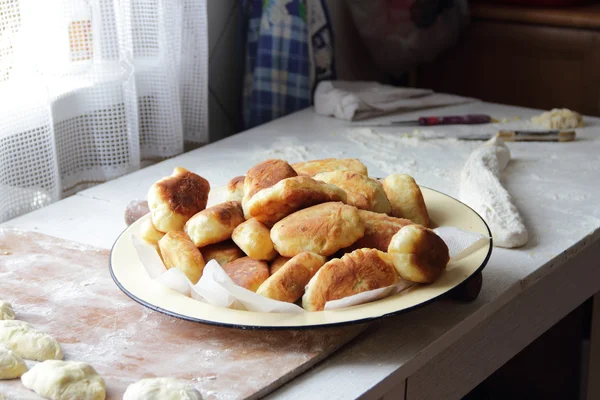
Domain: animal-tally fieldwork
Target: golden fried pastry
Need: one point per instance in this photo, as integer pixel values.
(322, 229)
(255, 240)
(311, 168)
(277, 263)
(363, 192)
(418, 254)
(174, 199)
(178, 251)
(356, 272)
(379, 230)
(235, 188)
(247, 273)
(289, 195)
(288, 283)
(149, 233)
(214, 224)
(222, 252)
(406, 198)
(266, 174)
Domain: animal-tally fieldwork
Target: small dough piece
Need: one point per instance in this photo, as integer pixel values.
(290, 195)
(65, 380)
(222, 252)
(29, 343)
(254, 238)
(247, 272)
(266, 174)
(356, 272)
(178, 251)
(11, 365)
(314, 167)
(322, 229)
(174, 199)
(149, 233)
(235, 188)
(278, 263)
(418, 254)
(288, 283)
(162, 389)
(214, 224)
(379, 230)
(363, 192)
(6, 311)
(406, 198)
(559, 118)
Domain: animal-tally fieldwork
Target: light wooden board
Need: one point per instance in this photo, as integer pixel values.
(64, 288)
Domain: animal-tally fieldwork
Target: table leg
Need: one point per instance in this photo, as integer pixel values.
(593, 378)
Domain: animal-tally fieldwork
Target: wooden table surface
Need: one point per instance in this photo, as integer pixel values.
(446, 348)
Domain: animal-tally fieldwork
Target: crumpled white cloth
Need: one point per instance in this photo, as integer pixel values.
(480, 188)
(216, 288)
(356, 100)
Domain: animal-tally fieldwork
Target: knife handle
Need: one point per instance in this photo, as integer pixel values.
(537, 136)
(470, 119)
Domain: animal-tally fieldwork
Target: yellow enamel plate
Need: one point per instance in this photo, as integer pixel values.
(129, 274)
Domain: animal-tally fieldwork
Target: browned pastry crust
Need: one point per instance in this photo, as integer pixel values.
(214, 224)
(356, 272)
(278, 263)
(288, 283)
(289, 195)
(406, 198)
(178, 251)
(222, 252)
(418, 254)
(266, 174)
(247, 273)
(379, 230)
(322, 229)
(363, 192)
(174, 199)
(254, 239)
(311, 168)
(235, 188)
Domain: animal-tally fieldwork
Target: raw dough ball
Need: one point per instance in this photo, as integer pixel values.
(559, 118)
(65, 380)
(29, 343)
(11, 365)
(162, 389)
(6, 311)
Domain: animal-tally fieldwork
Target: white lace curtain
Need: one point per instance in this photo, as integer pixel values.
(94, 89)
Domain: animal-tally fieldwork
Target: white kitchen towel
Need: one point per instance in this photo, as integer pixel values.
(480, 188)
(216, 287)
(360, 100)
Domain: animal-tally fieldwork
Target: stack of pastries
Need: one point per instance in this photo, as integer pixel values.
(317, 231)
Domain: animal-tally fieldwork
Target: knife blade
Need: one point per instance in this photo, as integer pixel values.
(470, 119)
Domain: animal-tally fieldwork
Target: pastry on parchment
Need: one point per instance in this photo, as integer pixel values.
(255, 240)
(322, 229)
(149, 233)
(214, 224)
(311, 168)
(406, 198)
(290, 195)
(222, 252)
(379, 230)
(356, 272)
(174, 199)
(419, 254)
(277, 263)
(363, 192)
(235, 188)
(247, 272)
(178, 251)
(264, 175)
(287, 284)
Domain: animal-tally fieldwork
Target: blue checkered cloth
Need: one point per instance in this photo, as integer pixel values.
(276, 71)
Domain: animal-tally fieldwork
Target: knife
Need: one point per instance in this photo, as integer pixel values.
(521, 136)
(470, 119)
